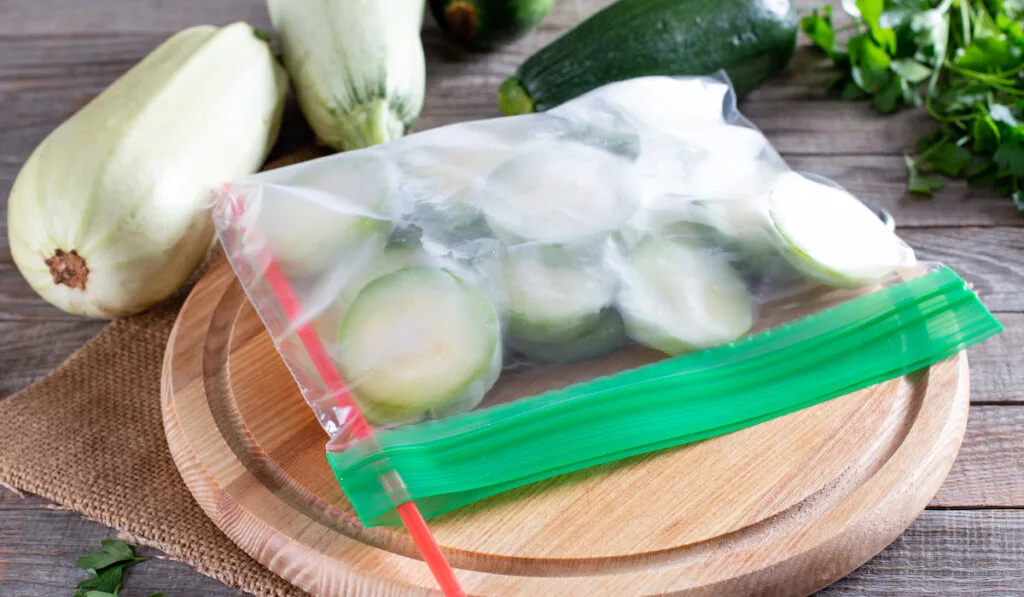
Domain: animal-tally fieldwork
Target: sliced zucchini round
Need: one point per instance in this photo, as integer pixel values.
(419, 340)
(740, 226)
(439, 183)
(390, 260)
(830, 236)
(607, 335)
(552, 295)
(676, 298)
(314, 218)
(560, 194)
(386, 415)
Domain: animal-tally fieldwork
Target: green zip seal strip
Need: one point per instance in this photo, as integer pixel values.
(448, 463)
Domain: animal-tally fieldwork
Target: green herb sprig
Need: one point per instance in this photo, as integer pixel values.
(106, 569)
(963, 60)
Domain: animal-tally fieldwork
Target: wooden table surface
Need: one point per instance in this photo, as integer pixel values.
(57, 54)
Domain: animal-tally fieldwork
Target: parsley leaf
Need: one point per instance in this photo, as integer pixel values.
(1010, 157)
(911, 70)
(948, 158)
(986, 134)
(870, 63)
(818, 28)
(889, 96)
(989, 54)
(918, 183)
(106, 568)
(112, 552)
(870, 11)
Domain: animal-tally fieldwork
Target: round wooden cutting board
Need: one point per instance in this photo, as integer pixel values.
(783, 508)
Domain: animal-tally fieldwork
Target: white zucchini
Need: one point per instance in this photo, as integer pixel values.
(357, 66)
(607, 335)
(676, 298)
(419, 342)
(106, 217)
(552, 296)
(559, 193)
(830, 236)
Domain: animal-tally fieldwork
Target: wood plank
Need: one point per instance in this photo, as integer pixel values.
(883, 179)
(996, 374)
(990, 258)
(30, 350)
(65, 17)
(989, 471)
(968, 553)
(39, 543)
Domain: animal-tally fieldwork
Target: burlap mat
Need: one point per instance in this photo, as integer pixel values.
(90, 436)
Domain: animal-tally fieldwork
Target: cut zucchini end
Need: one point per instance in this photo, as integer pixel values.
(514, 99)
(830, 236)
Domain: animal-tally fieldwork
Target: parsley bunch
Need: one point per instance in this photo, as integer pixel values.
(963, 60)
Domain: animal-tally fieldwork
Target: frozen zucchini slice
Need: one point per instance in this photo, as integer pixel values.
(677, 298)
(553, 295)
(608, 335)
(830, 236)
(440, 181)
(312, 220)
(387, 415)
(559, 194)
(419, 340)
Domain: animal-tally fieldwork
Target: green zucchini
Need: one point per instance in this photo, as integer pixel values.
(751, 39)
(481, 25)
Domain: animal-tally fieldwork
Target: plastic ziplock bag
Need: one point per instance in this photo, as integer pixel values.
(483, 305)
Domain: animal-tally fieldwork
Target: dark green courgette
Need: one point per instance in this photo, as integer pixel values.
(481, 25)
(751, 39)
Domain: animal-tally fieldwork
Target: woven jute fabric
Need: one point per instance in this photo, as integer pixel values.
(90, 436)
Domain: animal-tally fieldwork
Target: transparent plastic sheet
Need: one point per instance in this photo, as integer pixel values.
(554, 261)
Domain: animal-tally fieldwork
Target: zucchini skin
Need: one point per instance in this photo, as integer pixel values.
(483, 25)
(751, 39)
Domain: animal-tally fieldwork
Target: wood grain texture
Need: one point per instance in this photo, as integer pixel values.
(992, 259)
(39, 543)
(30, 351)
(996, 375)
(808, 497)
(989, 471)
(946, 553)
